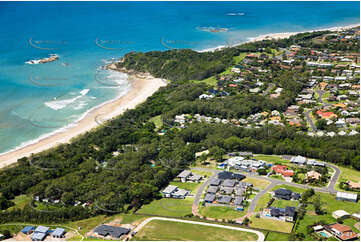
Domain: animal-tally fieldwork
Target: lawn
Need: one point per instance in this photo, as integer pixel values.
(221, 212)
(279, 177)
(205, 174)
(349, 174)
(270, 224)
(168, 207)
(271, 158)
(190, 186)
(176, 231)
(274, 236)
(284, 203)
(262, 202)
(157, 120)
(258, 183)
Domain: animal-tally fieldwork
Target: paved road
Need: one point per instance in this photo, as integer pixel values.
(253, 204)
(320, 94)
(145, 222)
(269, 88)
(199, 193)
(310, 121)
(332, 184)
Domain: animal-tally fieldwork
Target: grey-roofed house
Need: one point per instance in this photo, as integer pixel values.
(227, 190)
(209, 198)
(41, 229)
(212, 189)
(215, 182)
(38, 236)
(180, 193)
(283, 193)
(300, 160)
(245, 184)
(229, 183)
(224, 199)
(239, 191)
(167, 192)
(225, 175)
(195, 178)
(113, 231)
(58, 233)
(238, 201)
(183, 176)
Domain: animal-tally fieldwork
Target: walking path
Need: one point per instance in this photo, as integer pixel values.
(260, 235)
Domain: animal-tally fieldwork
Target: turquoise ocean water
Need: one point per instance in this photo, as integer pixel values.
(40, 99)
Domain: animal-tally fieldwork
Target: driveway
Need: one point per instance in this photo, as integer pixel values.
(253, 204)
(145, 222)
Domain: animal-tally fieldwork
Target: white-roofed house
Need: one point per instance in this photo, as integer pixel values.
(346, 196)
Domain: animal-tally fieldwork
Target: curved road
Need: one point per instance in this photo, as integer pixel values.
(199, 194)
(145, 222)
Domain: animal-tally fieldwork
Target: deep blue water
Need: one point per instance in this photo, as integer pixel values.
(38, 99)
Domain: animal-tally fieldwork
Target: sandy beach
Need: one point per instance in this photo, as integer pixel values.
(142, 87)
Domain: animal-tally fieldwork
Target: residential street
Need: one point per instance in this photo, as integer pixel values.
(310, 121)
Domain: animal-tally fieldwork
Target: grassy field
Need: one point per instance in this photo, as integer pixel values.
(349, 174)
(205, 174)
(20, 201)
(274, 236)
(271, 158)
(168, 207)
(270, 224)
(190, 186)
(220, 212)
(258, 183)
(279, 177)
(165, 230)
(157, 121)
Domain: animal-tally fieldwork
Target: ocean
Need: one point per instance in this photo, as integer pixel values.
(39, 99)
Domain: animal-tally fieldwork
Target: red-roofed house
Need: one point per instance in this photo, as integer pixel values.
(279, 169)
(342, 232)
(324, 114)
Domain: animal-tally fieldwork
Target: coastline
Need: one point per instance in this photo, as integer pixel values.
(276, 36)
(142, 87)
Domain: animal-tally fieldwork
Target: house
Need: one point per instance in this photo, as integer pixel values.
(205, 96)
(227, 190)
(296, 196)
(229, 183)
(353, 185)
(169, 190)
(209, 198)
(245, 185)
(340, 231)
(175, 192)
(279, 169)
(240, 191)
(300, 160)
(324, 114)
(215, 182)
(230, 175)
(283, 193)
(184, 175)
(238, 201)
(195, 178)
(28, 229)
(225, 199)
(345, 196)
(58, 233)
(113, 231)
(212, 189)
(286, 214)
(41, 229)
(313, 175)
(340, 214)
(38, 236)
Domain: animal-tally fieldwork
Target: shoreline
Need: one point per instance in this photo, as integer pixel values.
(142, 87)
(276, 36)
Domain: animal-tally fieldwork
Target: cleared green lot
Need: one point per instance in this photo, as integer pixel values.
(271, 158)
(221, 212)
(157, 120)
(284, 203)
(166, 230)
(168, 207)
(20, 201)
(270, 224)
(293, 189)
(258, 183)
(274, 236)
(190, 186)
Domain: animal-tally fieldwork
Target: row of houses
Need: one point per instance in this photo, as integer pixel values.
(39, 233)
